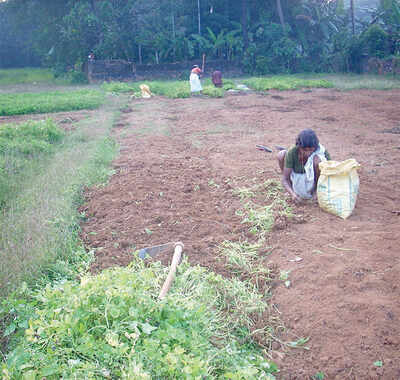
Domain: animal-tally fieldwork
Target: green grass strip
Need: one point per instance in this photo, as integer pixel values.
(26, 103)
(25, 75)
(21, 147)
(170, 89)
(41, 223)
(357, 82)
(286, 82)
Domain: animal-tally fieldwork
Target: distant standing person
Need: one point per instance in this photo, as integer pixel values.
(217, 78)
(300, 165)
(91, 57)
(195, 85)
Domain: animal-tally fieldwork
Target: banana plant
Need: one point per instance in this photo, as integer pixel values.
(224, 44)
(202, 43)
(314, 20)
(234, 44)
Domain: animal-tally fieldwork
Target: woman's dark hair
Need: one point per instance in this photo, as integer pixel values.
(307, 139)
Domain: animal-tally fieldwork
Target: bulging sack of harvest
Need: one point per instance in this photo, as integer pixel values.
(145, 89)
(338, 185)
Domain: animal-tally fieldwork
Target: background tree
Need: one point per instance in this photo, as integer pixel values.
(265, 36)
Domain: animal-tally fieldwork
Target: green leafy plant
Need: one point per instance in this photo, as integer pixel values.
(228, 84)
(244, 193)
(213, 92)
(212, 183)
(375, 41)
(111, 325)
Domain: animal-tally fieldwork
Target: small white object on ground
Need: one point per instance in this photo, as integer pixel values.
(242, 87)
(296, 259)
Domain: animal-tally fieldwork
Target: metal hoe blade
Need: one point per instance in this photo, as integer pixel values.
(264, 148)
(153, 251)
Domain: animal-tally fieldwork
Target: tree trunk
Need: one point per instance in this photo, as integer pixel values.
(244, 25)
(198, 16)
(352, 16)
(99, 29)
(140, 54)
(280, 13)
(173, 34)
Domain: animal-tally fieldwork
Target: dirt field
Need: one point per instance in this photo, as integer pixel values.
(179, 161)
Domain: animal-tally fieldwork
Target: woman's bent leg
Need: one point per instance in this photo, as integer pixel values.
(281, 159)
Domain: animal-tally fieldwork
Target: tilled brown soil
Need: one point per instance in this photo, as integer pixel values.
(180, 160)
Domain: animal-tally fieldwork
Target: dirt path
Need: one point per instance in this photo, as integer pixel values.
(180, 160)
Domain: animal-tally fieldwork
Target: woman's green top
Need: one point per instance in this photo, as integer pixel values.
(292, 160)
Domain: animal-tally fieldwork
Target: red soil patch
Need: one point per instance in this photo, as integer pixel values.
(180, 160)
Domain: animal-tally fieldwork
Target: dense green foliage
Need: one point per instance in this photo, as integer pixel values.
(113, 326)
(24, 103)
(266, 37)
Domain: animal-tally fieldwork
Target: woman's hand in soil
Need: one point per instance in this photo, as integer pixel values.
(296, 199)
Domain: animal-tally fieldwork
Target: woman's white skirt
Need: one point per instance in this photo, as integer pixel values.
(195, 85)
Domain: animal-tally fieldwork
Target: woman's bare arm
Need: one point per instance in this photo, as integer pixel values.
(287, 184)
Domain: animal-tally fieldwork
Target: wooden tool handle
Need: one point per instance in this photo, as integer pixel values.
(171, 275)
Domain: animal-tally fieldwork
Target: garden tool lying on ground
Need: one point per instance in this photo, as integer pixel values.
(153, 251)
(266, 149)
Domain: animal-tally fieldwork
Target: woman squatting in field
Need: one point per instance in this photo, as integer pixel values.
(300, 165)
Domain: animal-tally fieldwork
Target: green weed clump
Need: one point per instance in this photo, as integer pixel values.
(285, 82)
(18, 135)
(113, 326)
(261, 219)
(120, 87)
(25, 103)
(239, 255)
(170, 89)
(261, 216)
(20, 147)
(228, 84)
(213, 92)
